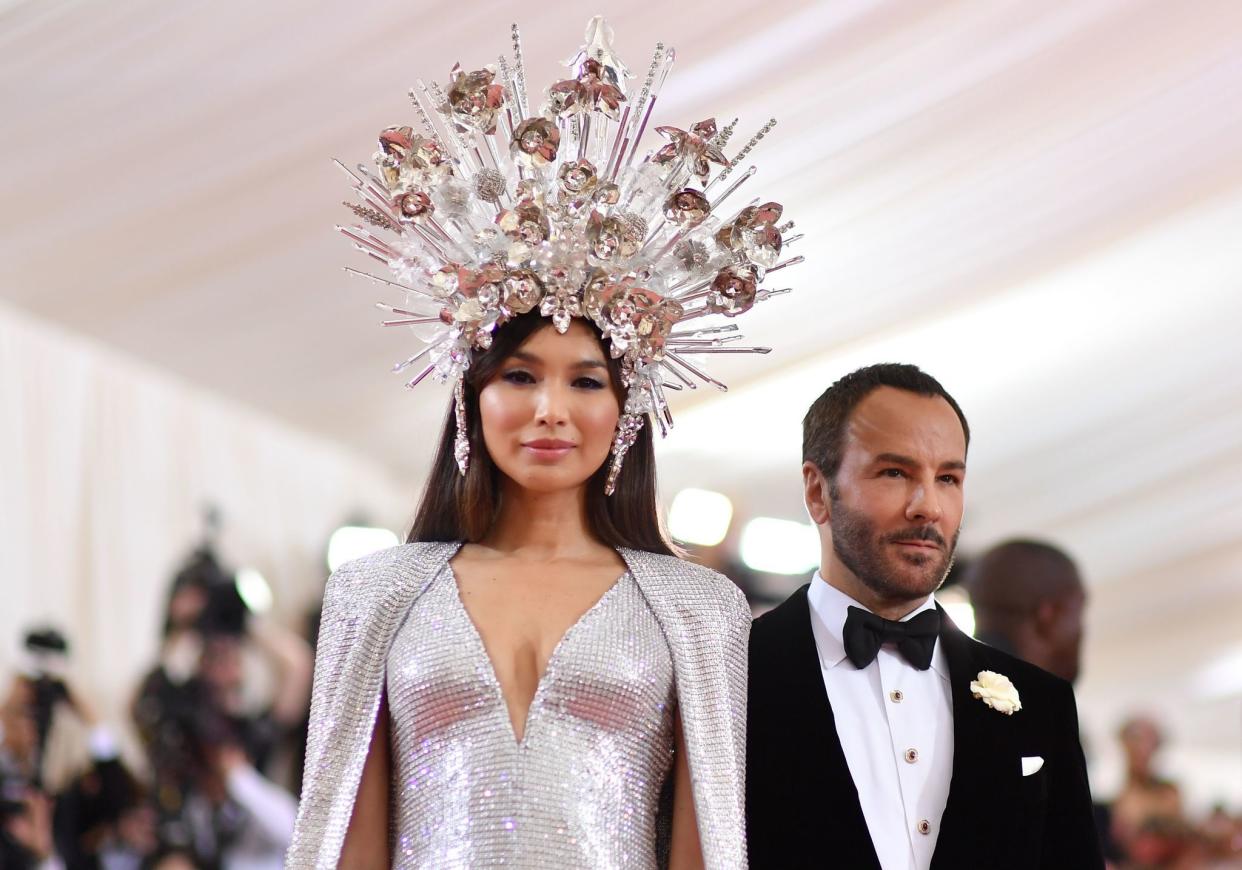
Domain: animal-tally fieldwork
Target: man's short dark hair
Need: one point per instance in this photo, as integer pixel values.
(823, 427)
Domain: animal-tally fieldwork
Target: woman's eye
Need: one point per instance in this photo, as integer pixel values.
(589, 383)
(518, 376)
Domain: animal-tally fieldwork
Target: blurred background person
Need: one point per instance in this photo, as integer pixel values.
(1149, 824)
(209, 733)
(208, 631)
(1029, 602)
(92, 816)
(1222, 837)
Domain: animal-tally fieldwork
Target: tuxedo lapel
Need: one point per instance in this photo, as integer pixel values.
(819, 747)
(978, 790)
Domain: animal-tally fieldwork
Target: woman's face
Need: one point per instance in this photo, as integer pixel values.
(549, 412)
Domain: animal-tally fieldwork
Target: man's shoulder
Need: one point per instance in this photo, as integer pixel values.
(781, 635)
(783, 616)
(1028, 679)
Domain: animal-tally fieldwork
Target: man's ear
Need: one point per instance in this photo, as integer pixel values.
(815, 494)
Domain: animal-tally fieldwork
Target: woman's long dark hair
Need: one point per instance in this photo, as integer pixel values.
(464, 508)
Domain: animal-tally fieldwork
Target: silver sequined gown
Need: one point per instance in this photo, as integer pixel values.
(583, 787)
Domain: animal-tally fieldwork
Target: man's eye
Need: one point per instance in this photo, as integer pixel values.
(950, 479)
(892, 472)
(518, 376)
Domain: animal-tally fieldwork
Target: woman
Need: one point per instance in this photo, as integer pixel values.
(536, 679)
(557, 691)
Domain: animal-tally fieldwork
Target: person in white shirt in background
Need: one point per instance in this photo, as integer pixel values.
(266, 813)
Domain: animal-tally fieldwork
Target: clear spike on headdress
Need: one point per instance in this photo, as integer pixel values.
(495, 210)
(598, 47)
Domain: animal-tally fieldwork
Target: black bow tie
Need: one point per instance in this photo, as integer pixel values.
(865, 633)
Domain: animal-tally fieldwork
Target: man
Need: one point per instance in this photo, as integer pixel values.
(876, 739)
(1029, 600)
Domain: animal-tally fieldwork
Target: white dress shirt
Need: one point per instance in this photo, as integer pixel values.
(895, 724)
(268, 830)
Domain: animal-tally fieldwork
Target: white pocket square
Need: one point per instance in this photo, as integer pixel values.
(1031, 764)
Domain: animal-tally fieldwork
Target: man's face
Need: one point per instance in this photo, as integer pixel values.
(896, 502)
(221, 666)
(1067, 635)
(1140, 739)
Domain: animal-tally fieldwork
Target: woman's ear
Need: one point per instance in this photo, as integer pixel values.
(815, 494)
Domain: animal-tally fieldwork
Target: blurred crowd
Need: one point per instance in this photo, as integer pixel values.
(221, 746)
(1029, 600)
(220, 720)
(1146, 826)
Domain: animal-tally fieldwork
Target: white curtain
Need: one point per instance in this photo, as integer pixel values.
(105, 466)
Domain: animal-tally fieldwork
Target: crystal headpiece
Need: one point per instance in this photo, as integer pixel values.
(493, 210)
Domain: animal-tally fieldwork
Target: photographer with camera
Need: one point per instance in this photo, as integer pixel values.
(206, 740)
(25, 810)
(97, 812)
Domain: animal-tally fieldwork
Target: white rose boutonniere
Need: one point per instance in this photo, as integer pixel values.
(997, 692)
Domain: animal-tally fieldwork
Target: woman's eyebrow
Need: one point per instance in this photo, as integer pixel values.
(528, 357)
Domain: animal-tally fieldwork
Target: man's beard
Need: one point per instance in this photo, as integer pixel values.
(860, 549)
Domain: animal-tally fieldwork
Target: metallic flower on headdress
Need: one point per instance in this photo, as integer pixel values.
(577, 182)
(611, 238)
(474, 99)
(733, 291)
(491, 211)
(525, 222)
(753, 234)
(589, 92)
(694, 147)
(687, 206)
(535, 143)
(636, 320)
(407, 161)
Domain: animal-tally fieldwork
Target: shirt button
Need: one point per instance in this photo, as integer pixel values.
(912, 755)
(896, 696)
(924, 827)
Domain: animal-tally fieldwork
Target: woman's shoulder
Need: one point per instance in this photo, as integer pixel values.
(360, 580)
(688, 582)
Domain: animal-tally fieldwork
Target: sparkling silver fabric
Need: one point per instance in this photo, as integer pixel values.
(705, 622)
(582, 788)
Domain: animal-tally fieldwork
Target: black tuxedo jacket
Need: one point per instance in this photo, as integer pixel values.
(802, 805)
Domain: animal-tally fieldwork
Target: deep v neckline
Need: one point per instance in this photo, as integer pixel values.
(489, 670)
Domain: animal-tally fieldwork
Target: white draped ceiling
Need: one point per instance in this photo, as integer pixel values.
(1038, 202)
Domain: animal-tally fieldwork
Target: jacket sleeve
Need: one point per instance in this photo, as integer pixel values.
(1071, 839)
(364, 606)
(737, 672)
(338, 631)
(340, 625)
(705, 618)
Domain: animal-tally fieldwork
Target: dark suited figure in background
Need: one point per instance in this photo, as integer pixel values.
(876, 739)
(1029, 601)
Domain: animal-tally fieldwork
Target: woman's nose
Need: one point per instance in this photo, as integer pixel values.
(552, 406)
